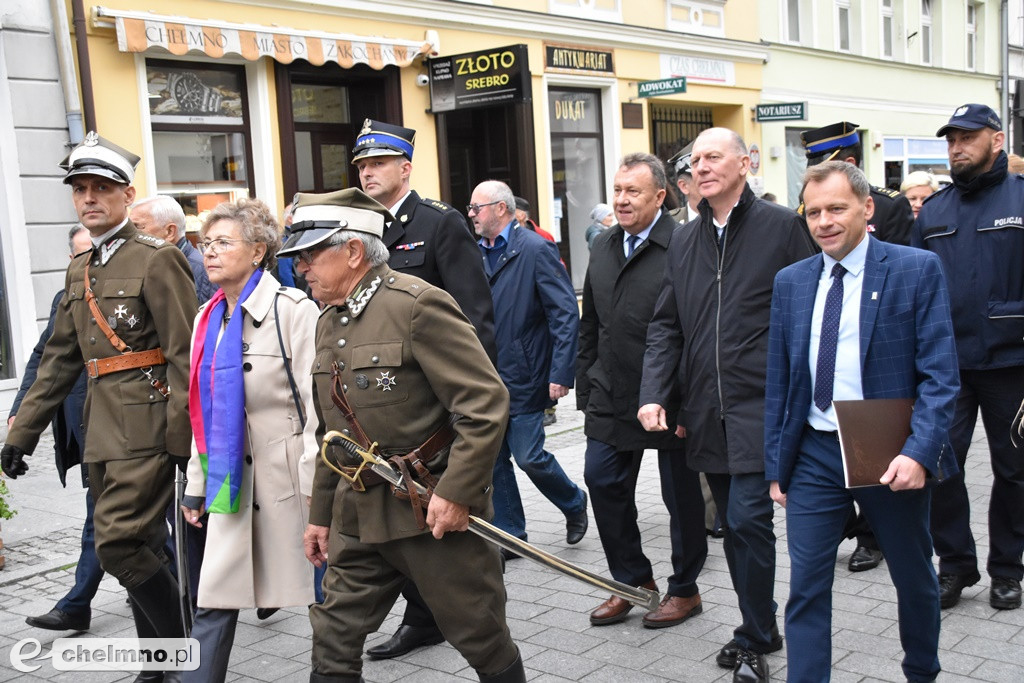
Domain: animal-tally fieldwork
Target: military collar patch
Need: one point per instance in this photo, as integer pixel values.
(357, 302)
(109, 249)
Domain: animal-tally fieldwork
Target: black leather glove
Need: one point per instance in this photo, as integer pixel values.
(12, 461)
(180, 463)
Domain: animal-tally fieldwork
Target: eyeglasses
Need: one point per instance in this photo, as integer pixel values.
(475, 208)
(307, 255)
(218, 245)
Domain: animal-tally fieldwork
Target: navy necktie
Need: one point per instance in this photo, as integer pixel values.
(631, 244)
(824, 378)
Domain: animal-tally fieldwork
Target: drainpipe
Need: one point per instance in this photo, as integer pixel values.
(1004, 74)
(84, 69)
(66, 62)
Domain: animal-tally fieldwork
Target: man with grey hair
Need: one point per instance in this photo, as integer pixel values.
(536, 321)
(707, 342)
(396, 360)
(863, 320)
(162, 217)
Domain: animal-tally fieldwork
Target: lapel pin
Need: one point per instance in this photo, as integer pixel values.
(874, 296)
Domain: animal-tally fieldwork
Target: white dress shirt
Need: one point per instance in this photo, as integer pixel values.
(847, 375)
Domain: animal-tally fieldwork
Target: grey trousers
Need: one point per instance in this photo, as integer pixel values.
(215, 631)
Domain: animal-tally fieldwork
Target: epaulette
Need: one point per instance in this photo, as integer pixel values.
(292, 293)
(149, 240)
(437, 205)
(406, 283)
(888, 192)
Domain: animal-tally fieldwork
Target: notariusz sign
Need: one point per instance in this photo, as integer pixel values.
(787, 111)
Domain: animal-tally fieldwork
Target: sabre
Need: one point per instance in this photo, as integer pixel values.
(181, 552)
(360, 458)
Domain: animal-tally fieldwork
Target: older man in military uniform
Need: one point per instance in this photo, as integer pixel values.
(127, 315)
(398, 358)
(430, 240)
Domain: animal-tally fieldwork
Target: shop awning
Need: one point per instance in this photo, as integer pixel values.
(140, 31)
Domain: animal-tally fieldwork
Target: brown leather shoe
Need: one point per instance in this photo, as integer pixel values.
(673, 610)
(614, 609)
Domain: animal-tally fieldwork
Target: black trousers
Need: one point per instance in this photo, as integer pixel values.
(998, 394)
(611, 477)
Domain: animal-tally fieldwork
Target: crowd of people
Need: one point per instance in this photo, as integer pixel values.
(287, 370)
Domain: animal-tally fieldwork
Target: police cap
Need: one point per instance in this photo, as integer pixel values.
(972, 117)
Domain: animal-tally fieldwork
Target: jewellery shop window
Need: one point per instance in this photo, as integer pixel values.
(201, 142)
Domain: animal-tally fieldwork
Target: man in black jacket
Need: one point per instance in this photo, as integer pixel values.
(73, 612)
(708, 341)
(627, 263)
(430, 240)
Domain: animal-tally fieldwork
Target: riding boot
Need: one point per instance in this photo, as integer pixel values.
(513, 673)
(157, 597)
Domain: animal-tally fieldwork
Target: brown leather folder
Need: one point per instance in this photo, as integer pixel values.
(872, 432)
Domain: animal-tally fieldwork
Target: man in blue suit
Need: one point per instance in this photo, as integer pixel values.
(536, 323)
(865, 319)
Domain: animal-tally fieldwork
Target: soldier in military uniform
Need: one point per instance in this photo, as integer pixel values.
(430, 240)
(404, 358)
(683, 175)
(127, 315)
(840, 142)
(891, 222)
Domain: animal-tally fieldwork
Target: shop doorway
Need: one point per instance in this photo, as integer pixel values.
(486, 143)
(322, 110)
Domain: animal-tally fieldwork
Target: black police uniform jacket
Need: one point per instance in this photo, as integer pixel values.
(432, 241)
(893, 216)
(618, 301)
(708, 337)
(145, 286)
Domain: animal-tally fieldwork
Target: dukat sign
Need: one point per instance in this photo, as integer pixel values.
(479, 79)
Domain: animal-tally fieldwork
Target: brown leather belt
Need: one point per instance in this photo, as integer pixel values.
(98, 367)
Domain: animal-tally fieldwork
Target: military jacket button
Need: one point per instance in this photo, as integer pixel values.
(96, 262)
(375, 359)
(343, 320)
(92, 281)
(391, 280)
(341, 365)
(120, 292)
(344, 387)
(341, 343)
(92, 340)
(345, 432)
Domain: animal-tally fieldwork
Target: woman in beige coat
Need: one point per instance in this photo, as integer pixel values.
(254, 427)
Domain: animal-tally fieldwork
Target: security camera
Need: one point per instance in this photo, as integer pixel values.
(422, 80)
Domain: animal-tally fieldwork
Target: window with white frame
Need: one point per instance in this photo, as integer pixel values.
(601, 10)
(887, 39)
(791, 21)
(972, 36)
(844, 23)
(926, 31)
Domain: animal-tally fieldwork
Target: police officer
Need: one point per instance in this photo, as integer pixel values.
(127, 315)
(891, 222)
(841, 142)
(430, 240)
(400, 355)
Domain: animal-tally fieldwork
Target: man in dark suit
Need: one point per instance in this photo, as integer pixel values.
(430, 240)
(73, 612)
(864, 320)
(627, 263)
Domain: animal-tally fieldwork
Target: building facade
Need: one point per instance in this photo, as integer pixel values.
(896, 68)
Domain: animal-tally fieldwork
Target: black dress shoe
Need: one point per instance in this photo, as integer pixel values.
(265, 612)
(751, 667)
(1005, 593)
(576, 525)
(406, 639)
(59, 620)
(951, 585)
(864, 558)
(727, 655)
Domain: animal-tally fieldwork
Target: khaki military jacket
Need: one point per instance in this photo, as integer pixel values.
(143, 286)
(408, 358)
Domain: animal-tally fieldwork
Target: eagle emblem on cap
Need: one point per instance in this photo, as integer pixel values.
(961, 111)
(367, 128)
(92, 139)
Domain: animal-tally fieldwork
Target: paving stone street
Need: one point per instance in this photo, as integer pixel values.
(548, 613)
